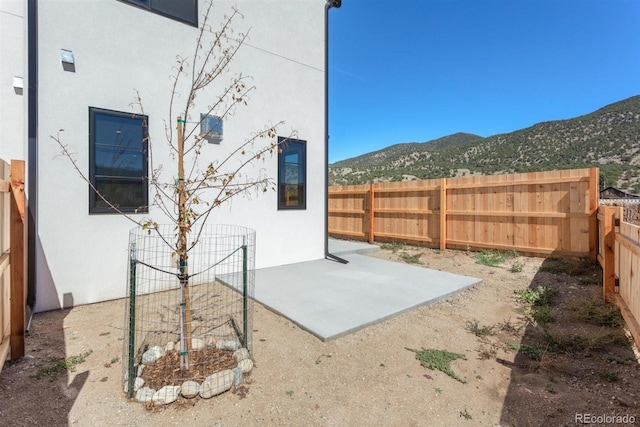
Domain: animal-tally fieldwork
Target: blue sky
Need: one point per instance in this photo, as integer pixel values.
(418, 70)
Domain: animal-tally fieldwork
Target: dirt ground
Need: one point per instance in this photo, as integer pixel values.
(518, 371)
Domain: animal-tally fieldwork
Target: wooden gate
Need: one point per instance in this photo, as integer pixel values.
(12, 261)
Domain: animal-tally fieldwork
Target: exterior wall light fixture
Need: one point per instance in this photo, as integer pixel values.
(68, 60)
(18, 85)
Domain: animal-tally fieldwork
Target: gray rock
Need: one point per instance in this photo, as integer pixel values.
(152, 354)
(209, 341)
(145, 394)
(238, 377)
(170, 346)
(137, 384)
(246, 365)
(140, 369)
(241, 354)
(216, 384)
(189, 389)
(228, 345)
(166, 394)
(197, 344)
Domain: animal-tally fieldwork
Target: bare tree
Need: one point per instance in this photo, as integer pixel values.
(200, 188)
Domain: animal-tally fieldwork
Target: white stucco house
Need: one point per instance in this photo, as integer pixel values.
(76, 65)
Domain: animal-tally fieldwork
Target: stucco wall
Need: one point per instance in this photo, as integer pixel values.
(119, 49)
(12, 64)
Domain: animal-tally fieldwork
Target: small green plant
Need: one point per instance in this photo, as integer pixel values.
(474, 327)
(440, 360)
(393, 247)
(596, 312)
(611, 377)
(516, 267)
(555, 266)
(508, 327)
(534, 350)
(410, 259)
(590, 280)
(554, 342)
(494, 258)
(542, 315)
(465, 414)
(115, 359)
(486, 354)
(547, 345)
(479, 377)
(540, 296)
(438, 390)
(289, 393)
(570, 267)
(549, 387)
(56, 365)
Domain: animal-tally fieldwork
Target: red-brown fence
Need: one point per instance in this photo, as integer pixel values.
(538, 213)
(12, 261)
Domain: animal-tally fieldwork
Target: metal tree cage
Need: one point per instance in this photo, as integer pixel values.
(218, 305)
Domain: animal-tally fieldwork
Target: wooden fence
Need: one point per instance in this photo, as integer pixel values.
(12, 260)
(538, 213)
(619, 254)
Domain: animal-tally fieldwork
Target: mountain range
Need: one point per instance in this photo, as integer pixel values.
(608, 138)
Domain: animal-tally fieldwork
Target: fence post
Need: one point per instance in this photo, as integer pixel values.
(594, 201)
(17, 260)
(371, 213)
(131, 368)
(443, 214)
(245, 296)
(608, 265)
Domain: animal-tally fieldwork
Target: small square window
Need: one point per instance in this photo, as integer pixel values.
(292, 174)
(211, 128)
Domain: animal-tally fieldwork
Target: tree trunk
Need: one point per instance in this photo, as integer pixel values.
(183, 231)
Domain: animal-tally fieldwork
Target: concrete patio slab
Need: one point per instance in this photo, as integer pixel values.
(330, 299)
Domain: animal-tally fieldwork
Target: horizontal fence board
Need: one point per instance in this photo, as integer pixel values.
(348, 211)
(4, 262)
(629, 244)
(520, 214)
(347, 233)
(404, 237)
(405, 189)
(524, 181)
(346, 192)
(403, 212)
(4, 349)
(525, 250)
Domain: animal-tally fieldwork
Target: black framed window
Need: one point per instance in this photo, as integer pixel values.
(292, 174)
(182, 10)
(118, 164)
